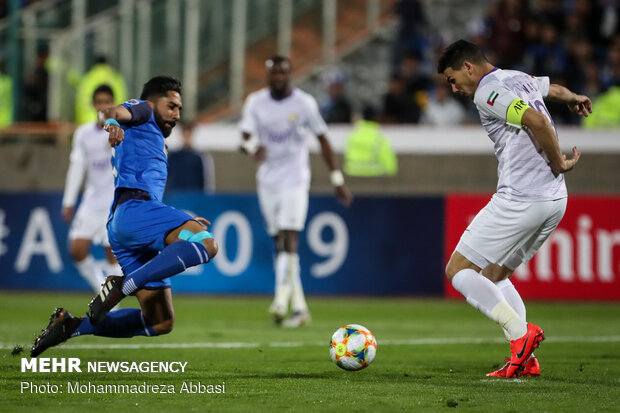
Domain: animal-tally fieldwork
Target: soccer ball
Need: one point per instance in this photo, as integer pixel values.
(353, 347)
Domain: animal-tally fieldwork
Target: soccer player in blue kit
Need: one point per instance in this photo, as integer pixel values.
(152, 241)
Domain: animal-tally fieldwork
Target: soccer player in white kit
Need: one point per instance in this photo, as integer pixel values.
(90, 156)
(531, 194)
(275, 124)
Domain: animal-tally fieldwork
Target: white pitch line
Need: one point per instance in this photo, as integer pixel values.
(401, 342)
(494, 380)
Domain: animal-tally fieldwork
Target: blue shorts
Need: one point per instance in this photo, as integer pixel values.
(137, 230)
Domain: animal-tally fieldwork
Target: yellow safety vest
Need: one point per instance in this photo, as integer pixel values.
(100, 74)
(6, 101)
(368, 152)
(605, 110)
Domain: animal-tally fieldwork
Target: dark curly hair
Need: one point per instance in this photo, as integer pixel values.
(457, 53)
(160, 86)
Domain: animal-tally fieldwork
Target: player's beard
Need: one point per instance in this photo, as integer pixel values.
(164, 127)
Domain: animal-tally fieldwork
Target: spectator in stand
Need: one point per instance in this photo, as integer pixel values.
(367, 151)
(413, 74)
(600, 19)
(550, 11)
(35, 90)
(531, 32)
(415, 78)
(442, 109)
(579, 55)
(548, 55)
(6, 101)
(506, 21)
(188, 169)
(592, 85)
(574, 26)
(610, 74)
(337, 109)
(577, 42)
(583, 9)
(605, 113)
(412, 28)
(101, 73)
(398, 105)
(477, 32)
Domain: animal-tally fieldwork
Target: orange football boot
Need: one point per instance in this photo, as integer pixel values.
(522, 348)
(531, 369)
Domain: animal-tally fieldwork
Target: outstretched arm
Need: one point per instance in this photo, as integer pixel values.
(342, 192)
(119, 113)
(579, 104)
(110, 118)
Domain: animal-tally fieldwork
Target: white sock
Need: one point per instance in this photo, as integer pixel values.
(283, 289)
(298, 301)
(510, 321)
(113, 269)
(482, 294)
(91, 272)
(513, 298)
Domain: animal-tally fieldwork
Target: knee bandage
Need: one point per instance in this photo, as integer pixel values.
(187, 235)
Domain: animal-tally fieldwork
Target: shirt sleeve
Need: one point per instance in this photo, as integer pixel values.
(493, 100)
(75, 173)
(315, 120)
(248, 121)
(140, 111)
(543, 85)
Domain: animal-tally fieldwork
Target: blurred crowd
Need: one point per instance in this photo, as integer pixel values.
(574, 42)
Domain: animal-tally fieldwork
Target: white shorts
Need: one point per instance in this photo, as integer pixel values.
(508, 232)
(284, 210)
(90, 224)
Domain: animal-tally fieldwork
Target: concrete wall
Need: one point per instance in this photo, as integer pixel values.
(42, 166)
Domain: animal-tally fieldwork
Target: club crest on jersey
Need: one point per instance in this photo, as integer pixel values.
(492, 97)
(293, 118)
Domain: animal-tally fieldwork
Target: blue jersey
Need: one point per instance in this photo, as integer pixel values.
(137, 227)
(140, 161)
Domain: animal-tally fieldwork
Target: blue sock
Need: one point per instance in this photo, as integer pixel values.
(175, 258)
(126, 322)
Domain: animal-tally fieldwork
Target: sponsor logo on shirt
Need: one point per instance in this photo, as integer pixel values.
(492, 97)
(279, 137)
(132, 102)
(100, 164)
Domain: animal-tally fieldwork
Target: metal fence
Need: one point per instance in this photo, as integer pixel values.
(202, 42)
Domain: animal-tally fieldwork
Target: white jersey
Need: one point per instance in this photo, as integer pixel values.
(90, 154)
(523, 172)
(282, 126)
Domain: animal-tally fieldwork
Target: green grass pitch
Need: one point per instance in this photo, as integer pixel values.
(432, 356)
